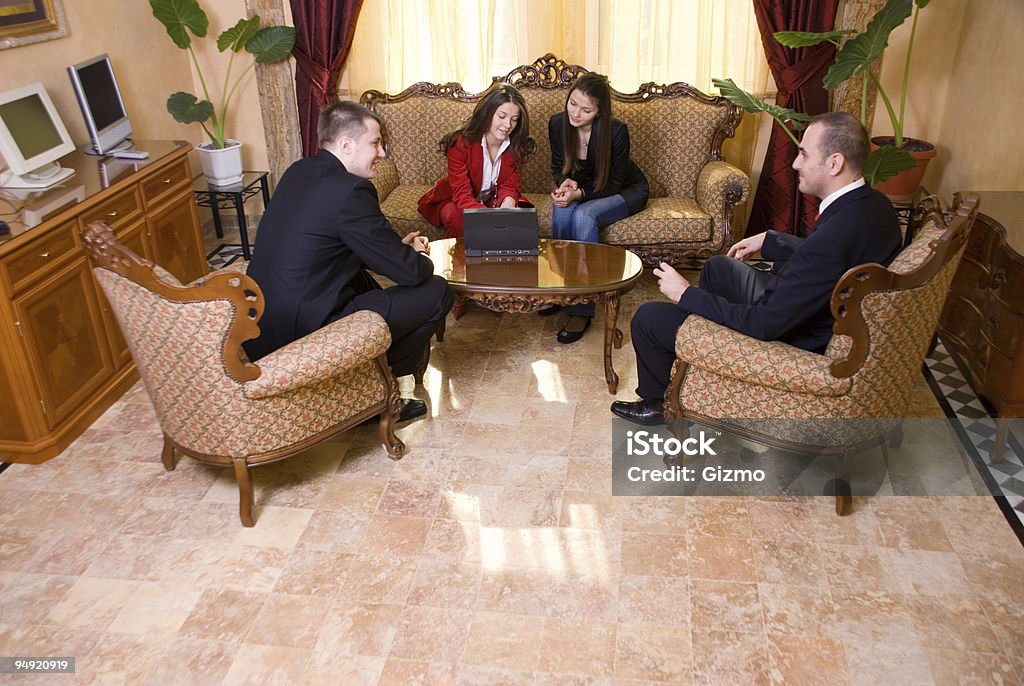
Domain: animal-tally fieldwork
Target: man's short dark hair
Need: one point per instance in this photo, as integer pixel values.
(843, 133)
(343, 118)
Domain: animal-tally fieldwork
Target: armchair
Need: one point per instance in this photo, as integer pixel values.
(215, 405)
(885, 320)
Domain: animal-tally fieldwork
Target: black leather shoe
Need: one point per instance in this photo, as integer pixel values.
(646, 412)
(567, 335)
(549, 310)
(411, 409)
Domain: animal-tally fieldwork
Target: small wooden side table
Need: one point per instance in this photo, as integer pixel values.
(219, 198)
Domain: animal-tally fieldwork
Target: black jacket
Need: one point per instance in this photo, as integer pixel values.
(625, 177)
(858, 227)
(323, 228)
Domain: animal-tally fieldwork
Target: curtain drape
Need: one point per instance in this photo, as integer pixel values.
(324, 31)
(778, 203)
(667, 41)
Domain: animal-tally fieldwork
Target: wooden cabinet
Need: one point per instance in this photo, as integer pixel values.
(983, 319)
(63, 359)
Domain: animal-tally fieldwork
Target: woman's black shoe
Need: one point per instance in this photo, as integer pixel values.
(549, 310)
(573, 334)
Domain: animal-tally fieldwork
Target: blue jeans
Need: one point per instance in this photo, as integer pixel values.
(581, 221)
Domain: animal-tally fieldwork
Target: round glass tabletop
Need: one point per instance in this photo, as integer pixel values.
(560, 267)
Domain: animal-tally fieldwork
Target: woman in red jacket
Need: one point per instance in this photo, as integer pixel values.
(485, 157)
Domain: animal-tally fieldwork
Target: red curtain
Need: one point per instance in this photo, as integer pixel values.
(324, 31)
(798, 72)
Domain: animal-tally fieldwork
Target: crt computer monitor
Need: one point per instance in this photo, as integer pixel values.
(101, 103)
(32, 139)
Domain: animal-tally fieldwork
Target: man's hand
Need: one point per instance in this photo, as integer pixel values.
(670, 282)
(747, 247)
(508, 202)
(417, 242)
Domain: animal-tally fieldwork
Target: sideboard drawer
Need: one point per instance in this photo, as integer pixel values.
(164, 181)
(118, 211)
(26, 264)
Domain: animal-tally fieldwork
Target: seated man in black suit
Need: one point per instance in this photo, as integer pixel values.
(791, 303)
(320, 234)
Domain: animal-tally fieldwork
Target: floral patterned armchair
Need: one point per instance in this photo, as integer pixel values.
(885, 322)
(215, 405)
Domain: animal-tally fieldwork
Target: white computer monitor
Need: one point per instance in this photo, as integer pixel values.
(32, 139)
(101, 103)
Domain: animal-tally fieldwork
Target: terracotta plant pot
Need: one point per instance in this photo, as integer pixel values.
(221, 166)
(901, 187)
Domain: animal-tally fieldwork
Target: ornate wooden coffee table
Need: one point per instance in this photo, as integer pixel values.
(564, 273)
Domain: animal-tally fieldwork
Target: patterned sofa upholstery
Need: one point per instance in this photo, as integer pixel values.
(211, 402)
(676, 134)
(885, 321)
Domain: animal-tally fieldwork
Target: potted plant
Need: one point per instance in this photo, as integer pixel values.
(858, 57)
(221, 157)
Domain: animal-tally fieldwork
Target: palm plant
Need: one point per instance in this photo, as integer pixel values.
(184, 19)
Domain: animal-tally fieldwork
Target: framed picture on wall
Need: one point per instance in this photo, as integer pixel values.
(30, 21)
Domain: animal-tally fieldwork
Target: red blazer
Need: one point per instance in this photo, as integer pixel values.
(465, 177)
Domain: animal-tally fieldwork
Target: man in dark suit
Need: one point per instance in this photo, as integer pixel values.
(791, 303)
(321, 233)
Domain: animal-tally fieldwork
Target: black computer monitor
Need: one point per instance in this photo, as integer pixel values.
(102, 105)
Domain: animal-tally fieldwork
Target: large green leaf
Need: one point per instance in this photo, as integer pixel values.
(185, 108)
(741, 98)
(860, 52)
(238, 35)
(179, 15)
(886, 162)
(805, 39)
(272, 43)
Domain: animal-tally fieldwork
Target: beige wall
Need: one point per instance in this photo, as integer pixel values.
(147, 64)
(149, 67)
(962, 94)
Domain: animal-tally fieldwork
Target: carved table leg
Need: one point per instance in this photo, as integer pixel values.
(612, 335)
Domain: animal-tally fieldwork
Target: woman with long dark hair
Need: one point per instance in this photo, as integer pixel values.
(485, 157)
(597, 183)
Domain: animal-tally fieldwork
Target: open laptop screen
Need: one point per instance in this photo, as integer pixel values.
(500, 231)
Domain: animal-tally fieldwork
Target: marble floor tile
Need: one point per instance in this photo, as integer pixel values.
(493, 553)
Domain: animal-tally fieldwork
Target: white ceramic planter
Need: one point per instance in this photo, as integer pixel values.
(223, 166)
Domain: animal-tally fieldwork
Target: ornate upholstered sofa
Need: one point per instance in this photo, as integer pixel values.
(676, 134)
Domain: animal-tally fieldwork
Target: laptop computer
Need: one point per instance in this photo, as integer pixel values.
(500, 232)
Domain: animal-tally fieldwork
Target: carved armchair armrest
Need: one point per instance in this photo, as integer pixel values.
(721, 186)
(773, 364)
(237, 267)
(348, 342)
(386, 178)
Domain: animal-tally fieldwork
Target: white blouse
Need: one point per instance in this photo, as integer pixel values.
(491, 170)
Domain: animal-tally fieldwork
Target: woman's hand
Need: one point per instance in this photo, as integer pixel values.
(508, 202)
(568, 192)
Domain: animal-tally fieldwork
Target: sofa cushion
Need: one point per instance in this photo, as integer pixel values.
(400, 209)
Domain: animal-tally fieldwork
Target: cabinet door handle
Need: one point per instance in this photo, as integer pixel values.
(167, 181)
(45, 254)
(993, 321)
(999, 278)
(111, 214)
